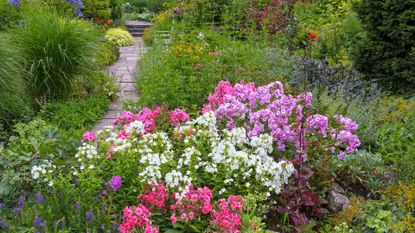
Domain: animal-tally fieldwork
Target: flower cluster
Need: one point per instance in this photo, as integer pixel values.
(14, 2)
(115, 183)
(193, 204)
(228, 159)
(178, 115)
(88, 136)
(268, 109)
(136, 216)
(146, 116)
(227, 217)
(43, 169)
(103, 23)
(155, 197)
(79, 5)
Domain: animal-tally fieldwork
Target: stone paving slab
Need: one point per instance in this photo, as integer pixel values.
(124, 72)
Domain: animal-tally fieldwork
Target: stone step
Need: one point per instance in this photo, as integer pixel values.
(137, 26)
(136, 30)
(137, 34)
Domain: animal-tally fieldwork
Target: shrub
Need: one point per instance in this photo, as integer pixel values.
(56, 49)
(34, 142)
(119, 37)
(97, 8)
(75, 116)
(396, 145)
(388, 52)
(361, 172)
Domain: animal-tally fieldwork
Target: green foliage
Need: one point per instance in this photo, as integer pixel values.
(140, 6)
(76, 116)
(116, 9)
(381, 222)
(361, 172)
(97, 8)
(119, 37)
(396, 145)
(184, 73)
(388, 52)
(33, 142)
(335, 24)
(56, 49)
(9, 15)
(13, 105)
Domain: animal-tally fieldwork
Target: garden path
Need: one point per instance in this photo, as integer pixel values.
(124, 72)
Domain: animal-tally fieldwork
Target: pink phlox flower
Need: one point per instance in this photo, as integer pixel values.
(178, 115)
(88, 136)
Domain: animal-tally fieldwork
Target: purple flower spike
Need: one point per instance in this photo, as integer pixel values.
(39, 198)
(3, 224)
(38, 222)
(89, 215)
(77, 206)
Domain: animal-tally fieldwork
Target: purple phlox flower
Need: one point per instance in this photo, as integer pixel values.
(3, 224)
(39, 198)
(104, 192)
(15, 2)
(2, 205)
(89, 215)
(347, 123)
(38, 222)
(115, 183)
(77, 206)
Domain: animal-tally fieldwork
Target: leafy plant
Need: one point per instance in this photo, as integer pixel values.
(75, 116)
(361, 172)
(119, 37)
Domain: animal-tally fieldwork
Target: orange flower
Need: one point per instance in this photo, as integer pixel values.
(110, 21)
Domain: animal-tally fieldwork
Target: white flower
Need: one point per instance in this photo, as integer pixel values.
(201, 36)
(50, 184)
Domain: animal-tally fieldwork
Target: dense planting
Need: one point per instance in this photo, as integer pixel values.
(253, 117)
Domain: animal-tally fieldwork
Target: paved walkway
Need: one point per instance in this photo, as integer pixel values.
(124, 72)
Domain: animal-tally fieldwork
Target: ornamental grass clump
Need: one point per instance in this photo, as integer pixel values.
(56, 49)
(119, 37)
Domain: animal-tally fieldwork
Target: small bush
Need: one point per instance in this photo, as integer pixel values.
(56, 49)
(396, 142)
(75, 116)
(361, 172)
(388, 52)
(97, 8)
(119, 37)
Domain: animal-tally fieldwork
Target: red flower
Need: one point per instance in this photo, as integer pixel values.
(312, 36)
